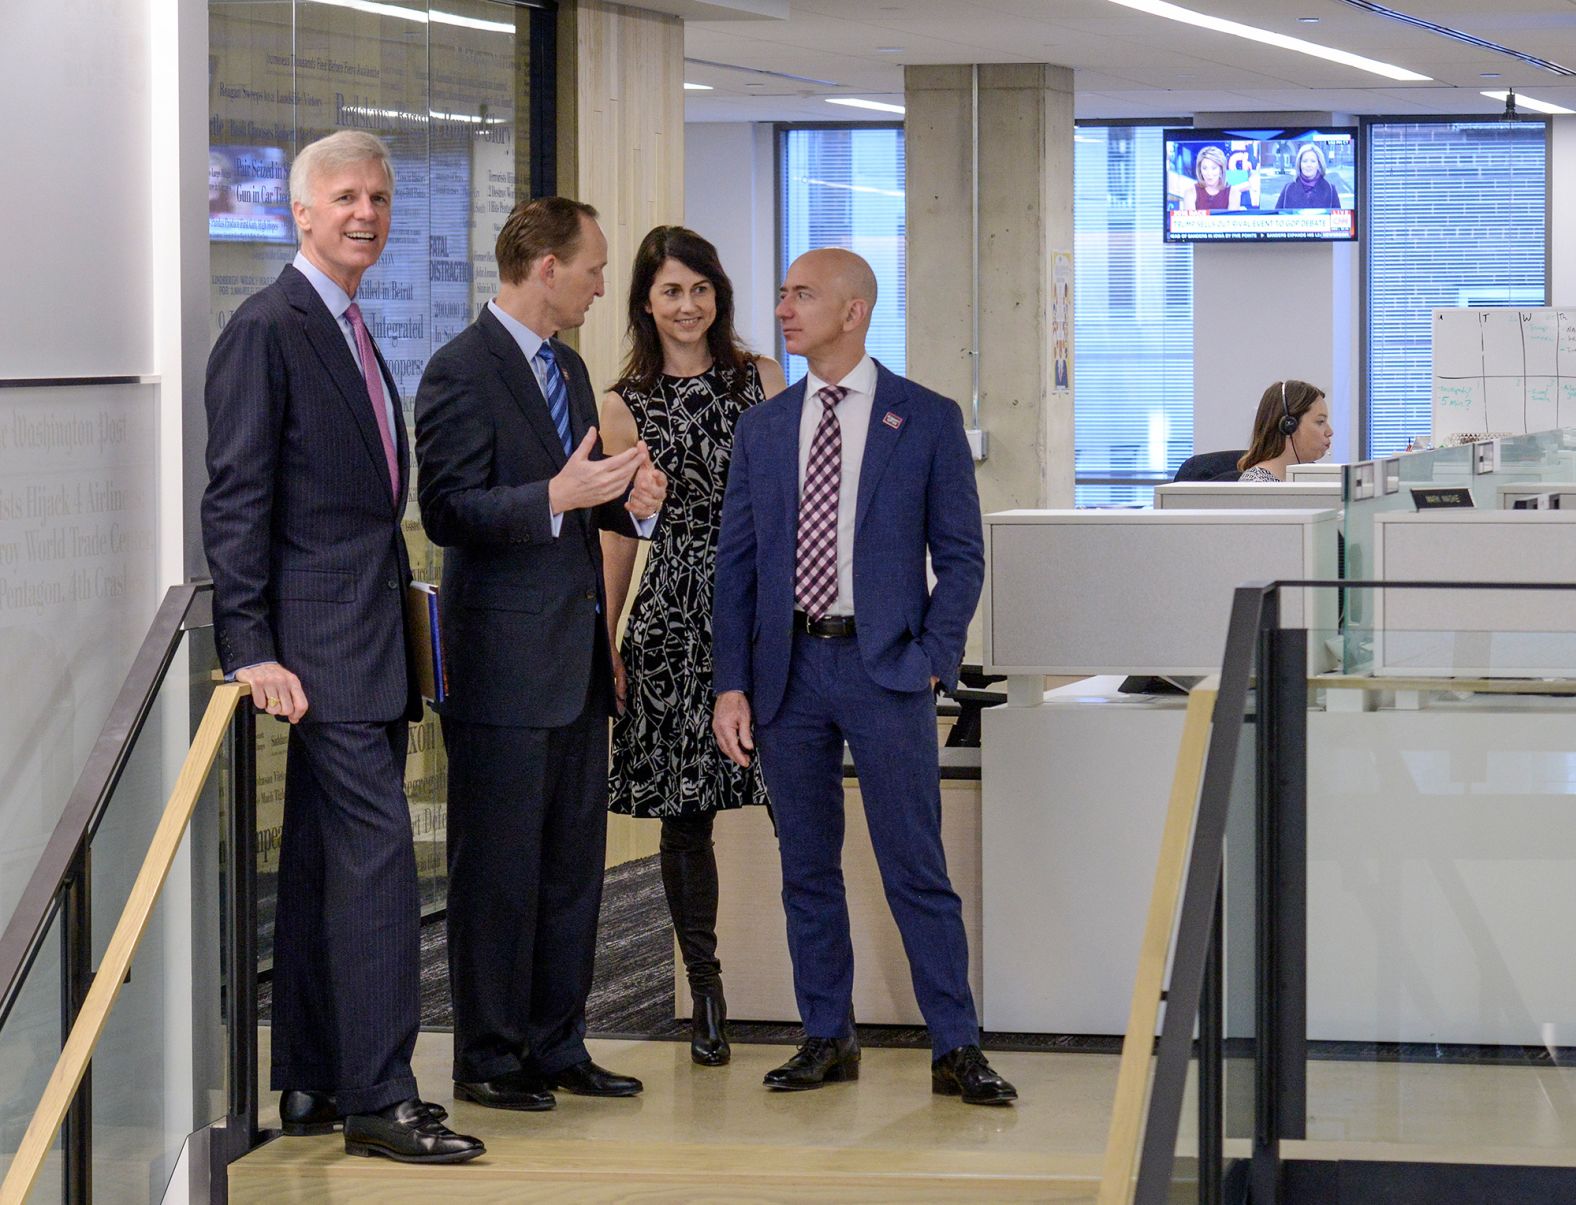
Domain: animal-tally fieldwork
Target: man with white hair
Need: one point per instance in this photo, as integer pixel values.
(308, 473)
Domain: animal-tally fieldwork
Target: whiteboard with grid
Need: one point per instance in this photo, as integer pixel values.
(1503, 371)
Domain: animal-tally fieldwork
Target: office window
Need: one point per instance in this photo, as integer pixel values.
(1456, 218)
(843, 187)
(1132, 321)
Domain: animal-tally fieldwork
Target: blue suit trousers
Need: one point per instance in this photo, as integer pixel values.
(831, 699)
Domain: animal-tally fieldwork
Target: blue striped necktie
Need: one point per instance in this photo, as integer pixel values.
(557, 393)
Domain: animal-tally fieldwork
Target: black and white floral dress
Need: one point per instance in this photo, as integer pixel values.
(665, 759)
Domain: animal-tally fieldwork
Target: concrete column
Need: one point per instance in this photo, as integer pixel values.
(1026, 217)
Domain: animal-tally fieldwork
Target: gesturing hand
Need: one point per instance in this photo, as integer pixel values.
(275, 690)
(584, 482)
(731, 725)
(650, 489)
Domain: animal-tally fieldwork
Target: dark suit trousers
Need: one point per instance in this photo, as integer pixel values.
(527, 837)
(347, 932)
(892, 735)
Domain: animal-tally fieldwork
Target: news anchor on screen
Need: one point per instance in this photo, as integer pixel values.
(1308, 189)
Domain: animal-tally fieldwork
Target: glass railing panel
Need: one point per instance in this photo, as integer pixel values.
(1441, 863)
(77, 590)
(30, 1043)
(158, 1072)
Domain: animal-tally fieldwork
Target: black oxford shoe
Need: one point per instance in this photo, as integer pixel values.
(302, 1114)
(818, 1061)
(522, 1090)
(407, 1133)
(964, 1072)
(305, 1113)
(587, 1079)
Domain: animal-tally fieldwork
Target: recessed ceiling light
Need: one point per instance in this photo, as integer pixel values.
(889, 50)
(754, 84)
(1524, 101)
(1488, 75)
(689, 87)
(1307, 20)
(855, 102)
(1173, 12)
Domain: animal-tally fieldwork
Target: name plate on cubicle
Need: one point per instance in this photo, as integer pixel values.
(1125, 591)
(1439, 497)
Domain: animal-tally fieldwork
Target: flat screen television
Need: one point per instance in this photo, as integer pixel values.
(1261, 185)
(249, 195)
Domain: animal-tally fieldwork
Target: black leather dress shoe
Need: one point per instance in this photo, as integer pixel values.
(818, 1061)
(964, 1072)
(305, 1113)
(407, 1132)
(522, 1090)
(587, 1079)
(302, 1114)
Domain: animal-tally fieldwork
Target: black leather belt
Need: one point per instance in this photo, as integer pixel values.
(826, 626)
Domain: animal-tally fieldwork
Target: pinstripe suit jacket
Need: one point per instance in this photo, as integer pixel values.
(300, 525)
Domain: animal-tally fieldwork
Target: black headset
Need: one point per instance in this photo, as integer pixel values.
(1288, 424)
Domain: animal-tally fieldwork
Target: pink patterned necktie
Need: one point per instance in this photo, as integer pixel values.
(373, 376)
(815, 575)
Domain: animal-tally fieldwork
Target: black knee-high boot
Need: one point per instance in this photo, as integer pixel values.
(689, 878)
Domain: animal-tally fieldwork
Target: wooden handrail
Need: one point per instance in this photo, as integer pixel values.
(1138, 1046)
(129, 930)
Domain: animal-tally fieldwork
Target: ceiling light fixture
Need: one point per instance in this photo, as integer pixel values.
(1514, 102)
(689, 87)
(1307, 20)
(854, 102)
(1173, 12)
(376, 9)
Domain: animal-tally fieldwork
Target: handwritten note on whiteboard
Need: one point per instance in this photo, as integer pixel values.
(1503, 370)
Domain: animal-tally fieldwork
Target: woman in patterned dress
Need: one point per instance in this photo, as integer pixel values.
(683, 387)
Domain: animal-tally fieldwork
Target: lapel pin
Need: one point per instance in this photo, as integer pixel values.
(892, 420)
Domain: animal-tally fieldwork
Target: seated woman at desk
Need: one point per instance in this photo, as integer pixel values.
(1292, 427)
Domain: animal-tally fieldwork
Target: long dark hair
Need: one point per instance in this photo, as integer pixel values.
(1269, 441)
(644, 363)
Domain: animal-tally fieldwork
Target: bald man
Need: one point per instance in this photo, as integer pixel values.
(824, 630)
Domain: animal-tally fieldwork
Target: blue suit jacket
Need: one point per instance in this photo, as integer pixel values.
(916, 493)
(300, 524)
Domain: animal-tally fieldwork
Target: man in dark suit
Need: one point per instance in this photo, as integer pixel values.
(824, 631)
(513, 484)
(301, 525)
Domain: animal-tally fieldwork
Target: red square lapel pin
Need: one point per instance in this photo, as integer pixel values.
(895, 421)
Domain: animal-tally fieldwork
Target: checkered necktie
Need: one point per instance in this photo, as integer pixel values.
(815, 576)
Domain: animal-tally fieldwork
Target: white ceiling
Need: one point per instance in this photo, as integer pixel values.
(1128, 63)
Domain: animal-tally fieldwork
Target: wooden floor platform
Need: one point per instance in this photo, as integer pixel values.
(714, 1135)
